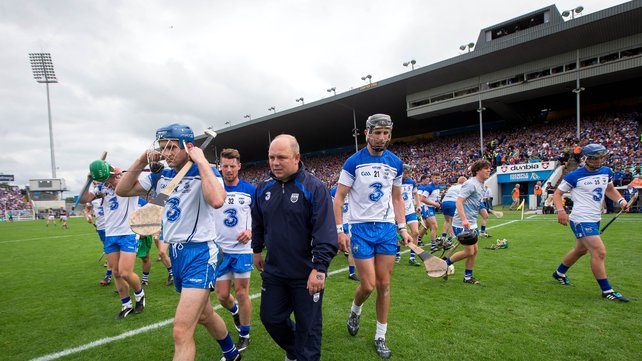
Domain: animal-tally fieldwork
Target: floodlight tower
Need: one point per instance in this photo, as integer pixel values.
(43, 72)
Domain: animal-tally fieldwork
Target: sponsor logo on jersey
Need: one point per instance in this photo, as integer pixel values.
(294, 197)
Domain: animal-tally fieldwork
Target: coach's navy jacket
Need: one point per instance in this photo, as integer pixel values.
(295, 222)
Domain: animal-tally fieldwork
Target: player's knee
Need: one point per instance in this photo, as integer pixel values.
(367, 287)
(600, 253)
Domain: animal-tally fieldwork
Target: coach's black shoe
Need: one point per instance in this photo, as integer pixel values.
(614, 296)
(140, 305)
(353, 324)
(563, 280)
(472, 281)
(237, 320)
(354, 277)
(170, 280)
(382, 349)
(243, 343)
(124, 312)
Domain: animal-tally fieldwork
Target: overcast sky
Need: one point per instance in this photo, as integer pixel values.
(126, 68)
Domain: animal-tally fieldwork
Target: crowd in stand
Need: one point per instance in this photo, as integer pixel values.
(12, 199)
(549, 141)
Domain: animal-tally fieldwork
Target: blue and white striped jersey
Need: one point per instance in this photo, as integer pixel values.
(408, 190)
(370, 179)
(587, 192)
(187, 217)
(235, 217)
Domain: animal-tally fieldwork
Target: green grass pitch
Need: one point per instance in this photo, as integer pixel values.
(52, 306)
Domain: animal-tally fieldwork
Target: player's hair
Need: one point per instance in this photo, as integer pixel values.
(231, 153)
(479, 165)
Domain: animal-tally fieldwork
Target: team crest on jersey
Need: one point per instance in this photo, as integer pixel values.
(294, 197)
(242, 201)
(186, 188)
(267, 196)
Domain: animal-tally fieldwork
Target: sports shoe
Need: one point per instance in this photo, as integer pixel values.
(288, 358)
(382, 349)
(144, 283)
(485, 235)
(614, 296)
(413, 262)
(235, 358)
(105, 281)
(354, 277)
(433, 247)
(237, 320)
(448, 245)
(170, 280)
(353, 324)
(243, 343)
(420, 243)
(563, 280)
(124, 312)
(472, 281)
(140, 305)
(397, 259)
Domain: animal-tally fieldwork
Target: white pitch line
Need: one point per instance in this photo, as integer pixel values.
(48, 237)
(138, 331)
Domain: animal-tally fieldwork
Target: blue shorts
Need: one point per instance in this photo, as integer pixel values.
(235, 263)
(194, 264)
(449, 208)
(346, 228)
(482, 205)
(101, 234)
(411, 218)
(585, 229)
(428, 212)
(373, 238)
(126, 243)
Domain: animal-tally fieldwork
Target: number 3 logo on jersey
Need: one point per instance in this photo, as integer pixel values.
(173, 210)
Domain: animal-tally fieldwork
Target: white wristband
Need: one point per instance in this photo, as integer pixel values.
(619, 201)
(401, 226)
(340, 229)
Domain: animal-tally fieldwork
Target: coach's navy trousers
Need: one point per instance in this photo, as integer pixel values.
(279, 299)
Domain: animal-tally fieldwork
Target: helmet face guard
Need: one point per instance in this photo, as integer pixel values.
(378, 121)
(181, 133)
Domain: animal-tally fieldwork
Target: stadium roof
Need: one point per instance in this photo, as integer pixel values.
(328, 123)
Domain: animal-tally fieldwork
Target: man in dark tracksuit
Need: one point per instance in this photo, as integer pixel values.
(293, 218)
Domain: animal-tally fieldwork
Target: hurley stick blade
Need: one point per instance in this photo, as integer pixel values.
(498, 214)
(147, 220)
(435, 267)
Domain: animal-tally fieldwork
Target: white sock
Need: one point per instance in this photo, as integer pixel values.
(137, 297)
(381, 330)
(356, 309)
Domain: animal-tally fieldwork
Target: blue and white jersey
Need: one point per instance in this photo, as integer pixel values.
(408, 191)
(452, 193)
(235, 217)
(117, 211)
(432, 192)
(345, 209)
(187, 217)
(471, 191)
(370, 179)
(99, 214)
(587, 192)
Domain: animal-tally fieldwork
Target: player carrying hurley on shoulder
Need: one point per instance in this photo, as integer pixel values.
(371, 179)
(189, 218)
(465, 219)
(588, 186)
(121, 244)
(411, 201)
(234, 237)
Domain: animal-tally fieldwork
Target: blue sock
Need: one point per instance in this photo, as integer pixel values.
(127, 301)
(350, 271)
(245, 331)
(108, 273)
(227, 346)
(398, 249)
(468, 273)
(561, 269)
(412, 254)
(483, 228)
(443, 235)
(448, 261)
(234, 309)
(604, 284)
(169, 270)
